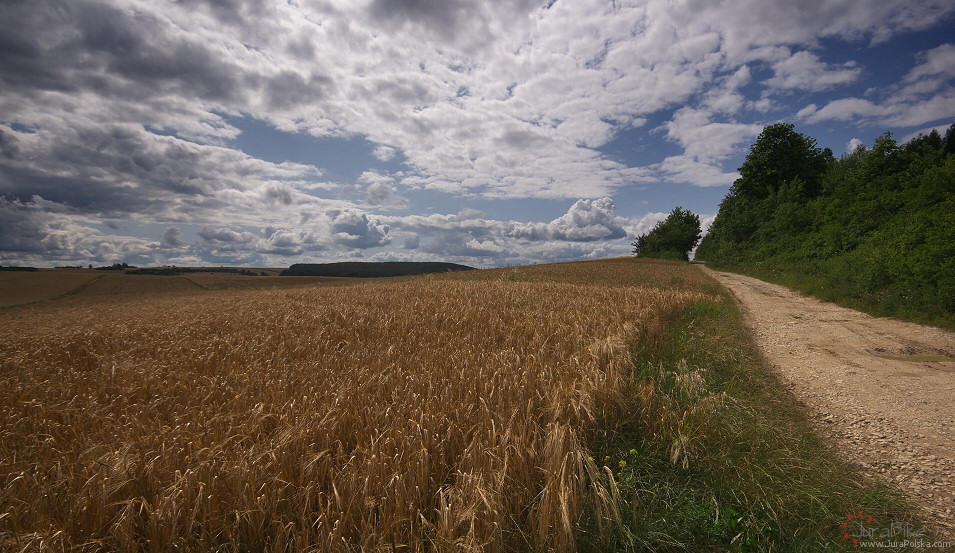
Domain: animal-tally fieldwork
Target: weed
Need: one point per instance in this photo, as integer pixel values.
(725, 461)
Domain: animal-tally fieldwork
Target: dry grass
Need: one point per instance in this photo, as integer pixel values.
(614, 272)
(18, 287)
(439, 413)
(227, 281)
(121, 284)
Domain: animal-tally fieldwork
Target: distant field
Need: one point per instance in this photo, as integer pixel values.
(111, 284)
(26, 287)
(225, 281)
(17, 288)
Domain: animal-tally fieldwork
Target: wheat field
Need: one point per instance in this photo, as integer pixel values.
(22, 287)
(442, 413)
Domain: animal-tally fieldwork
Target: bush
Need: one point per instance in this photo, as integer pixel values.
(672, 238)
(873, 230)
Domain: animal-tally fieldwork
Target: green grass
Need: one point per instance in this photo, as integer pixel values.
(833, 286)
(723, 458)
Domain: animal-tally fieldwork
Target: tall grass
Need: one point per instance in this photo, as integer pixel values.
(723, 458)
(440, 414)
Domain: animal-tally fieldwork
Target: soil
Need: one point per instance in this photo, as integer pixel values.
(883, 390)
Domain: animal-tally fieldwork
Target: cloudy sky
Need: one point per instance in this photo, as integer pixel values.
(264, 133)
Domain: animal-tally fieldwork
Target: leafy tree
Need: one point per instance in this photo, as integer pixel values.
(780, 155)
(949, 142)
(783, 171)
(874, 228)
(672, 238)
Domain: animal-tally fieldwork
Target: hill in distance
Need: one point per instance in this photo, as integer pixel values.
(360, 269)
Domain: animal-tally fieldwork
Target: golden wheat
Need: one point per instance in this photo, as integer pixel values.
(443, 413)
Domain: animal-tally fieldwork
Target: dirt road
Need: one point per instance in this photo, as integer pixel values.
(883, 389)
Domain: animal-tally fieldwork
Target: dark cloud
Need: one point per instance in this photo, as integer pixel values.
(91, 170)
(172, 238)
(460, 21)
(225, 236)
(283, 243)
(163, 164)
(131, 55)
(118, 171)
(127, 70)
(233, 11)
(84, 45)
(523, 138)
(440, 15)
(411, 242)
(382, 194)
(224, 244)
(77, 193)
(23, 228)
(25, 37)
(473, 248)
(290, 89)
(9, 145)
(278, 194)
(354, 229)
(402, 91)
(38, 232)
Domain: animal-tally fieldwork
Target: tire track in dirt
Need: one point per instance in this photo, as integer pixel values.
(884, 390)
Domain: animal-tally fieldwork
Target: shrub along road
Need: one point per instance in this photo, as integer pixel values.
(884, 390)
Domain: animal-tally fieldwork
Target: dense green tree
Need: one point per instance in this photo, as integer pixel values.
(949, 142)
(874, 229)
(780, 155)
(672, 238)
(783, 170)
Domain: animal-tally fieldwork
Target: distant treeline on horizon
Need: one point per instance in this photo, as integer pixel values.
(362, 269)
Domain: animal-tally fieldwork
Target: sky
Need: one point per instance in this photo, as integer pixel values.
(265, 133)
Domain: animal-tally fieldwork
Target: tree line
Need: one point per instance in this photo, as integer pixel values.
(874, 228)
